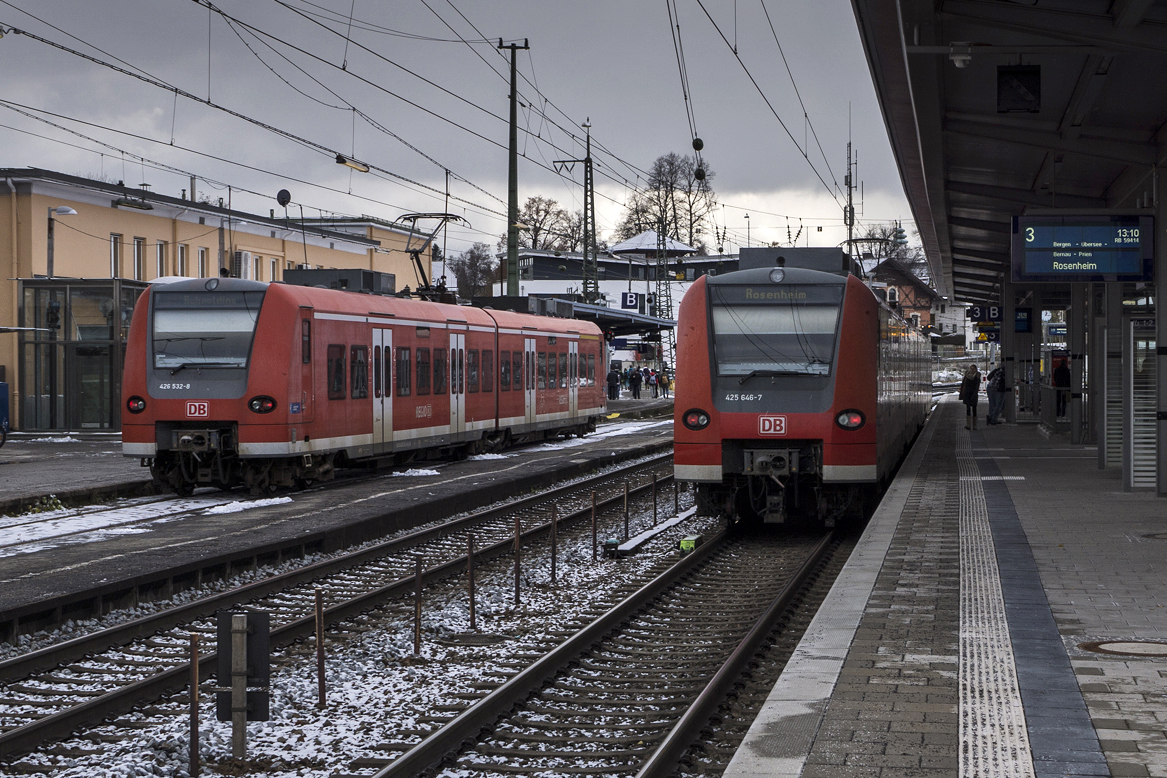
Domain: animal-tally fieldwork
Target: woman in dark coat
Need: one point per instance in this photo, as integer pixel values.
(969, 388)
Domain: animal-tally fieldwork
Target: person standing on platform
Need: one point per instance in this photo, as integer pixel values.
(663, 380)
(634, 382)
(970, 387)
(613, 383)
(652, 383)
(993, 383)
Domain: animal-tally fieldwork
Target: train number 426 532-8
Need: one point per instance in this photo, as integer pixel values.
(743, 397)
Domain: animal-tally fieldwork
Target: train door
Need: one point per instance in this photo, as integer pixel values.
(529, 392)
(457, 383)
(302, 390)
(573, 377)
(382, 389)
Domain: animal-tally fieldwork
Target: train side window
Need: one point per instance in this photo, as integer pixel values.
(591, 369)
(517, 376)
(487, 371)
(552, 362)
(439, 371)
(563, 371)
(504, 371)
(530, 369)
(336, 372)
(360, 370)
(423, 371)
(542, 383)
(472, 370)
(376, 371)
(461, 371)
(404, 384)
(306, 341)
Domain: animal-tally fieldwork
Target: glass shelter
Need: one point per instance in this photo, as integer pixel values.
(71, 366)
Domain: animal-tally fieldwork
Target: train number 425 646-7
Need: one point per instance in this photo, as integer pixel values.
(743, 397)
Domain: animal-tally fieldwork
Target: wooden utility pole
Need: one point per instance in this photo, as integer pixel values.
(512, 267)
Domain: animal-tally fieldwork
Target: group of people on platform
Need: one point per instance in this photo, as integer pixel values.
(970, 388)
(633, 379)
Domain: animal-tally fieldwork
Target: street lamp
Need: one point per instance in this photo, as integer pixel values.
(747, 230)
(59, 210)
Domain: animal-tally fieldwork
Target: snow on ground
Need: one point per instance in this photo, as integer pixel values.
(31, 533)
(238, 506)
(378, 691)
(607, 431)
(481, 457)
(65, 439)
(415, 472)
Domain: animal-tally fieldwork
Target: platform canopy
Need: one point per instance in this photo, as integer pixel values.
(980, 135)
(646, 243)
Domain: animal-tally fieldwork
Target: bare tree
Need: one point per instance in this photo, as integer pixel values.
(474, 269)
(675, 199)
(879, 240)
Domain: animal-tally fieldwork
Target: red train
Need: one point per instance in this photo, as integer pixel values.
(798, 392)
(272, 385)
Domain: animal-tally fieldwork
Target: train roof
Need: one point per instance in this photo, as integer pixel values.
(358, 304)
(791, 275)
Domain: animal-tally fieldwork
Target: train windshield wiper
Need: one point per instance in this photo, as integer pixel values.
(769, 373)
(185, 365)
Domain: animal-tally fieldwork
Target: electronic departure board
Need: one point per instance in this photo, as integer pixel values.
(1074, 248)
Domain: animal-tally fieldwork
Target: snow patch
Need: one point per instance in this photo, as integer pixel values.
(65, 439)
(417, 471)
(477, 457)
(237, 506)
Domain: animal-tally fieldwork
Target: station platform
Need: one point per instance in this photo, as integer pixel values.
(1002, 615)
(79, 468)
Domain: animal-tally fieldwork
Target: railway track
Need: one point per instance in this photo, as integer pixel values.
(630, 693)
(50, 693)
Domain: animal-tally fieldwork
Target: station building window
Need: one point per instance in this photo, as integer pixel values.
(202, 262)
(139, 259)
(160, 257)
(115, 255)
(183, 250)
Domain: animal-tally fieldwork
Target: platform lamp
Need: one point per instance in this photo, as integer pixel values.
(59, 210)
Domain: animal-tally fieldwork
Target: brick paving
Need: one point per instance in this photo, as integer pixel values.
(894, 709)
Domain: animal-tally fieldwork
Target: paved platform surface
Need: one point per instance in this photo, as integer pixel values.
(957, 639)
(351, 510)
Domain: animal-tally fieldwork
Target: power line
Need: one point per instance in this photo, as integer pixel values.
(164, 167)
(765, 99)
(798, 94)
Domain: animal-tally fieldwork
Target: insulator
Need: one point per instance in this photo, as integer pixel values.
(698, 144)
(699, 174)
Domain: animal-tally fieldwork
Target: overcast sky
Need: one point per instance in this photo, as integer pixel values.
(608, 60)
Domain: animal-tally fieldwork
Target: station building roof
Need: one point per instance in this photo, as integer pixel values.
(972, 154)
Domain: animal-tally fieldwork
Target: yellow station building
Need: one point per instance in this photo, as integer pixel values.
(75, 253)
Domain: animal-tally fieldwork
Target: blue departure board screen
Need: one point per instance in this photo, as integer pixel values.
(1083, 248)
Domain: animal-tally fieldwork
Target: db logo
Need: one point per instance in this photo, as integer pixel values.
(198, 409)
(771, 425)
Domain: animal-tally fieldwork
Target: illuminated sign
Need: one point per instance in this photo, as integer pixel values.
(1083, 248)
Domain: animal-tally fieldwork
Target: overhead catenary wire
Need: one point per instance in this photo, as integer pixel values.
(766, 99)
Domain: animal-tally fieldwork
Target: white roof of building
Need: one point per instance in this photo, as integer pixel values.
(646, 243)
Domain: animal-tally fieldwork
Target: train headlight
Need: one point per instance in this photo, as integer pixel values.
(261, 404)
(850, 420)
(135, 404)
(695, 419)
(777, 275)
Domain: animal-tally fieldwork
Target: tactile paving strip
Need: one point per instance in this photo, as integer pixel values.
(993, 738)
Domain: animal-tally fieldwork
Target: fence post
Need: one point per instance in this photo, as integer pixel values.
(320, 690)
(470, 582)
(518, 552)
(593, 526)
(194, 705)
(417, 608)
(554, 524)
(626, 509)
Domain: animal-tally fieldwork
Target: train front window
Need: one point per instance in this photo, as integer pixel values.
(204, 329)
(774, 330)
